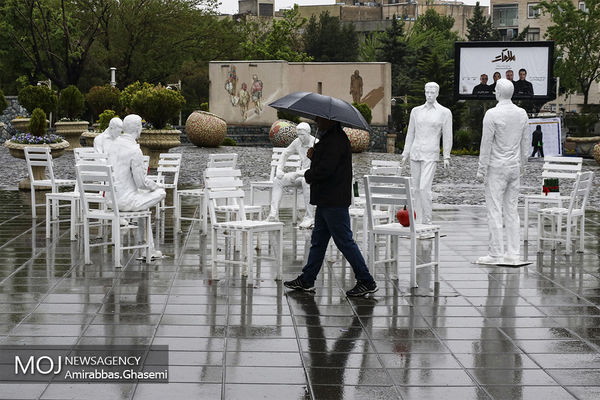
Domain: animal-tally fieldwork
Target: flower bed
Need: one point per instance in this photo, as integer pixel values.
(28, 138)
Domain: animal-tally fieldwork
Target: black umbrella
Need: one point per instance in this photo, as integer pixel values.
(311, 105)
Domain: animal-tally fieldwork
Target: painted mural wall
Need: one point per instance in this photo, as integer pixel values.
(241, 91)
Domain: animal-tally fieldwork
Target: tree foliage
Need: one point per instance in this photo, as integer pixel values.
(480, 27)
(327, 39)
(280, 41)
(577, 36)
(32, 97)
(71, 103)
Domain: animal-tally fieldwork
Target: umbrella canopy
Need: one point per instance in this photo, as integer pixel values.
(311, 105)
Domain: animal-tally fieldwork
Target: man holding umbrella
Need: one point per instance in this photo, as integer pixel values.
(330, 180)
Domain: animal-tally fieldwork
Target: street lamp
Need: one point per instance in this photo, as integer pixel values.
(177, 86)
(113, 79)
(47, 83)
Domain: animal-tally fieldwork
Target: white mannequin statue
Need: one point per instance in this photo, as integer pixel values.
(299, 146)
(115, 127)
(134, 191)
(502, 156)
(427, 123)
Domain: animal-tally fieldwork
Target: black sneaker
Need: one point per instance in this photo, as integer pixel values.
(361, 288)
(297, 284)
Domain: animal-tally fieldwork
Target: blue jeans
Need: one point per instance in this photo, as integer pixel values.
(333, 222)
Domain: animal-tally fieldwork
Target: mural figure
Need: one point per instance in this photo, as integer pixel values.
(244, 99)
(356, 86)
(256, 93)
(231, 85)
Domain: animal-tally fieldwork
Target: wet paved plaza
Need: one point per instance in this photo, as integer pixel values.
(481, 333)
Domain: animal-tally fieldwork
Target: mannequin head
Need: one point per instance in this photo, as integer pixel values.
(504, 89)
(132, 125)
(115, 127)
(432, 90)
(303, 132)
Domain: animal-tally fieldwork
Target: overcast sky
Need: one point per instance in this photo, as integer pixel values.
(231, 6)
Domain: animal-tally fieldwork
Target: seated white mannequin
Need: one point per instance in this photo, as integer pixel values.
(299, 146)
(134, 191)
(115, 127)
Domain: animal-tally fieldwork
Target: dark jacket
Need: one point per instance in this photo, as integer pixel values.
(536, 138)
(523, 88)
(330, 173)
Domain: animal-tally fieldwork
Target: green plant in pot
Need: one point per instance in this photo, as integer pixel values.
(71, 105)
(36, 136)
(32, 97)
(157, 105)
(101, 98)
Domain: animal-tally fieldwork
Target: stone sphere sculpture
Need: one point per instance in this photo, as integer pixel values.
(359, 139)
(205, 129)
(282, 133)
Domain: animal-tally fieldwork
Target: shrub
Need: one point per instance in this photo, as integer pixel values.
(71, 103)
(365, 110)
(229, 142)
(3, 102)
(102, 98)
(289, 116)
(43, 97)
(204, 107)
(157, 105)
(105, 118)
(462, 139)
(129, 92)
(37, 123)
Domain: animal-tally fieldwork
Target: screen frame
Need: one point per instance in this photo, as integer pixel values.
(550, 92)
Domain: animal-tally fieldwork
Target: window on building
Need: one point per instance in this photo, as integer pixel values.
(582, 6)
(533, 34)
(505, 15)
(532, 12)
(320, 87)
(265, 9)
(508, 34)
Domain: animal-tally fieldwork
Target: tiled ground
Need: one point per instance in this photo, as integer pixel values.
(482, 333)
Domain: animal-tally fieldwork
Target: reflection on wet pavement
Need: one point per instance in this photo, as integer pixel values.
(481, 333)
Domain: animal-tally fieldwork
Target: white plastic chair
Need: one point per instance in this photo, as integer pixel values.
(41, 157)
(395, 191)
(357, 209)
(53, 199)
(229, 188)
(169, 165)
(291, 164)
(554, 167)
(227, 160)
(569, 218)
(96, 187)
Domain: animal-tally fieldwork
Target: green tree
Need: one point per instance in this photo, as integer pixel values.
(327, 39)
(577, 37)
(55, 36)
(368, 47)
(280, 41)
(480, 27)
(393, 48)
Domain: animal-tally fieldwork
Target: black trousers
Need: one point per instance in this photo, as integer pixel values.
(538, 149)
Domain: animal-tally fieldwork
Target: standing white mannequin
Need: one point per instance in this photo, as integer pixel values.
(134, 191)
(299, 146)
(502, 156)
(427, 124)
(115, 127)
